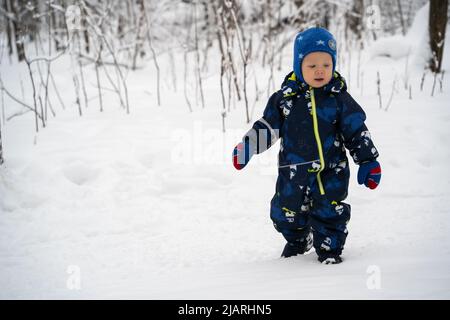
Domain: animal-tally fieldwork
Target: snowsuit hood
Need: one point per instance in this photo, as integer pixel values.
(313, 40)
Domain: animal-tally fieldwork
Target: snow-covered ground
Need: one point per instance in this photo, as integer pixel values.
(148, 205)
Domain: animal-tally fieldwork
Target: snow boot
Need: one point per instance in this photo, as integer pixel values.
(298, 247)
(330, 259)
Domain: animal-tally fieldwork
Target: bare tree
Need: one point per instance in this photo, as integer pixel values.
(245, 53)
(197, 56)
(436, 26)
(35, 99)
(402, 19)
(139, 32)
(15, 28)
(354, 19)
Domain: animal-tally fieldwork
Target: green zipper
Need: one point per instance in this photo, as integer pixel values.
(319, 143)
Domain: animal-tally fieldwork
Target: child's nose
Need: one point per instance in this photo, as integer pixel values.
(319, 72)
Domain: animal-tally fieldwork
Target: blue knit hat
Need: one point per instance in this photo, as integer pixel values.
(312, 40)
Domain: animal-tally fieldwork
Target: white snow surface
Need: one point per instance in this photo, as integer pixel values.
(414, 45)
(149, 206)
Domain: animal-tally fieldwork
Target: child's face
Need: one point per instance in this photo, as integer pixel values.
(317, 69)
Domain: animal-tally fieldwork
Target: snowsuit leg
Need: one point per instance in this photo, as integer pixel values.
(290, 204)
(298, 208)
(328, 214)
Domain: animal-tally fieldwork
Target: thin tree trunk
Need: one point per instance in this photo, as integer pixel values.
(185, 79)
(85, 29)
(223, 63)
(437, 26)
(1, 145)
(34, 95)
(97, 63)
(197, 56)
(402, 19)
(15, 32)
(155, 60)
(80, 66)
(379, 89)
(49, 19)
(9, 28)
(354, 18)
(139, 37)
(224, 110)
(18, 36)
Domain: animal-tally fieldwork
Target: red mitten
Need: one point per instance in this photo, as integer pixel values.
(369, 173)
(241, 156)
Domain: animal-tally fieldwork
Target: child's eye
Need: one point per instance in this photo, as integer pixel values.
(326, 65)
(312, 66)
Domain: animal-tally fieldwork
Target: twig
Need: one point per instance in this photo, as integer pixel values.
(34, 91)
(17, 114)
(185, 80)
(392, 93)
(99, 53)
(379, 89)
(9, 94)
(80, 67)
(47, 101)
(122, 103)
(245, 56)
(75, 82)
(422, 81)
(155, 61)
(104, 62)
(224, 110)
(197, 56)
(42, 110)
(434, 83)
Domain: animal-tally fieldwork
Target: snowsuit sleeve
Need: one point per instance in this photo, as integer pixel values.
(356, 136)
(266, 130)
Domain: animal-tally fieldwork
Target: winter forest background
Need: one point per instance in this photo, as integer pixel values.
(117, 123)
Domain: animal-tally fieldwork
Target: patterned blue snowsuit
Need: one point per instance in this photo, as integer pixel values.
(315, 126)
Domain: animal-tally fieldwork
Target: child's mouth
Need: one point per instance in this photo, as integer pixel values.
(319, 79)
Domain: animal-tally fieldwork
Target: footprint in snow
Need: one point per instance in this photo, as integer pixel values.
(80, 173)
